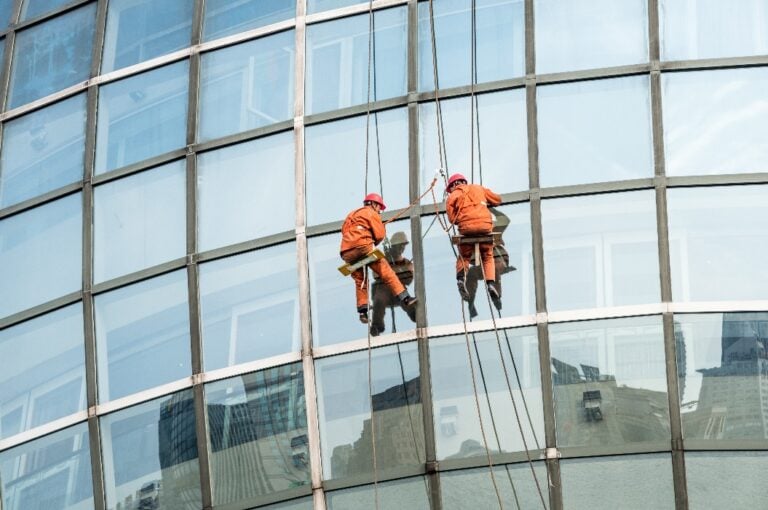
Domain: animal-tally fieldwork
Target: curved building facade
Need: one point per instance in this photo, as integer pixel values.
(174, 333)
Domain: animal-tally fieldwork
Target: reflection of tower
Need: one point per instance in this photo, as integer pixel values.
(264, 436)
(399, 436)
(177, 442)
(682, 360)
(733, 401)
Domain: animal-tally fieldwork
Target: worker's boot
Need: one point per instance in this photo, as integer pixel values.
(472, 310)
(363, 313)
(493, 291)
(406, 301)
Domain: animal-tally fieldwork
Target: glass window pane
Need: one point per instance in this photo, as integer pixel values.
(335, 155)
(242, 186)
(334, 315)
(258, 420)
(295, 504)
(43, 151)
(583, 34)
(51, 472)
(500, 137)
(52, 56)
(513, 264)
(139, 221)
(142, 329)
(250, 306)
(224, 17)
(31, 271)
(150, 455)
(344, 407)
(725, 479)
(337, 60)
(500, 46)
(247, 86)
(609, 381)
(713, 29)
(595, 131)
(34, 8)
(6, 11)
(601, 250)
(714, 121)
(42, 370)
(473, 488)
(139, 30)
(405, 494)
(718, 239)
(606, 483)
(142, 116)
(721, 370)
(314, 6)
(457, 428)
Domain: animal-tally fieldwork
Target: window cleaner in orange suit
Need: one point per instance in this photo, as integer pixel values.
(362, 230)
(467, 208)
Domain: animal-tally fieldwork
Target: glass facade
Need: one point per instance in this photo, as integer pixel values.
(175, 334)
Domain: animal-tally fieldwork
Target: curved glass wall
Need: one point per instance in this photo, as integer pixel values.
(174, 330)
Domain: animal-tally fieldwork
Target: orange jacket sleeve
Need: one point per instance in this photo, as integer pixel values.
(378, 231)
(492, 198)
(450, 207)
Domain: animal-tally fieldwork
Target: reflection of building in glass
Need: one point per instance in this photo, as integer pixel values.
(399, 441)
(592, 409)
(733, 399)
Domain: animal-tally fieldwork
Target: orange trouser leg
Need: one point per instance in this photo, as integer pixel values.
(382, 268)
(466, 252)
(361, 286)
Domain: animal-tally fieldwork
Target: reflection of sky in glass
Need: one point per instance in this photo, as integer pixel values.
(712, 28)
(583, 34)
(594, 131)
(502, 142)
(718, 239)
(715, 121)
(335, 159)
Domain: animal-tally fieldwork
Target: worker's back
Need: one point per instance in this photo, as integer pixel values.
(467, 207)
(362, 227)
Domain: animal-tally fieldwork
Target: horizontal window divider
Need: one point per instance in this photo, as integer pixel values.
(50, 15)
(245, 136)
(250, 367)
(519, 321)
(44, 101)
(725, 444)
(718, 180)
(719, 306)
(352, 10)
(356, 110)
(362, 344)
(43, 430)
(41, 309)
(467, 90)
(139, 167)
(325, 228)
(499, 460)
(593, 74)
(596, 188)
(714, 63)
(141, 67)
(235, 39)
(385, 475)
(50, 196)
(277, 497)
(515, 197)
(575, 452)
(612, 312)
(246, 246)
(139, 276)
(143, 396)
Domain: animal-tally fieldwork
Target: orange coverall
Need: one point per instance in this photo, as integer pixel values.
(467, 207)
(362, 230)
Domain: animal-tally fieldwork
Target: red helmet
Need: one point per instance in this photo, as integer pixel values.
(375, 197)
(453, 179)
